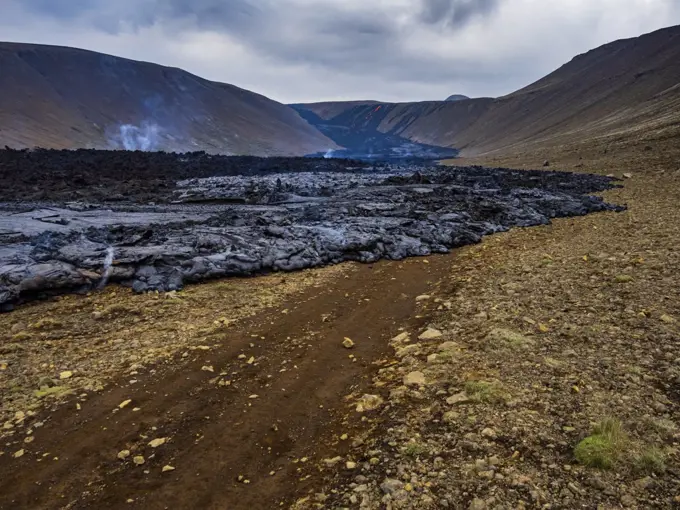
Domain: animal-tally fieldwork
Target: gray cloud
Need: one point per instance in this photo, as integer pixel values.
(63, 10)
(123, 15)
(249, 17)
(232, 15)
(455, 13)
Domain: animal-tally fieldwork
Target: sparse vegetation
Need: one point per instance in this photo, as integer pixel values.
(553, 363)
(54, 391)
(22, 336)
(485, 392)
(224, 287)
(445, 356)
(634, 369)
(651, 460)
(602, 449)
(595, 451)
(662, 426)
(116, 310)
(47, 323)
(500, 338)
(415, 449)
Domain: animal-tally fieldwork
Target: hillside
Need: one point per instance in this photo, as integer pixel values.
(625, 88)
(330, 109)
(58, 97)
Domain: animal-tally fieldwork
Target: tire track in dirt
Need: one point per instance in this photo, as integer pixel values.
(218, 433)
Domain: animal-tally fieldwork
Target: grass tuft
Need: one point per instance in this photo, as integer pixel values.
(662, 426)
(415, 449)
(604, 448)
(651, 460)
(610, 428)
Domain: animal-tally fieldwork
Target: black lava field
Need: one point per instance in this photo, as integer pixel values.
(71, 221)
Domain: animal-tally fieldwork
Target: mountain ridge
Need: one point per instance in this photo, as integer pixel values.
(628, 88)
(624, 87)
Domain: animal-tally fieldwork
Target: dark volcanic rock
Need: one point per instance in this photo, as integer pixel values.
(362, 139)
(130, 176)
(232, 225)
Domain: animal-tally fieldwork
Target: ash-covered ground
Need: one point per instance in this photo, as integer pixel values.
(75, 220)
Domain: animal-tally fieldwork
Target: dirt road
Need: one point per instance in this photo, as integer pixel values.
(238, 419)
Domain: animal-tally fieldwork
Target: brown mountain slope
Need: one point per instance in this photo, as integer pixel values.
(624, 88)
(329, 109)
(65, 98)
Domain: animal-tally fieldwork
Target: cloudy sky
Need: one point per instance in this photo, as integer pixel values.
(311, 50)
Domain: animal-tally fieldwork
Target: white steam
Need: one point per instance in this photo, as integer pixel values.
(108, 269)
(145, 137)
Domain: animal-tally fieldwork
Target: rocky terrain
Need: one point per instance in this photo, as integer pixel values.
(538, 368)
(131, 176)
(262, 220)
(546, 373)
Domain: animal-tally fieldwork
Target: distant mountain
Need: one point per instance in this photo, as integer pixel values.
(624, 88)
(60, 97)
(457, 97)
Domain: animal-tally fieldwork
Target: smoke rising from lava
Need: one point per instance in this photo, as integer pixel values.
(145, 137)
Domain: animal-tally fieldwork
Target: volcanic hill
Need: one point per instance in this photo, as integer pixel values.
(57, 97)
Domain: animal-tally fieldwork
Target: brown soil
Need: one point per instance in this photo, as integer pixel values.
(105, 334)
(216, 431)
(556, 328)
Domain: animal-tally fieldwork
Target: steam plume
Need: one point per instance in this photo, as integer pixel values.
(145, 137)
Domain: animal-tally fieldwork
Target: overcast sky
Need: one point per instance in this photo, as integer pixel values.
(313, 50)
